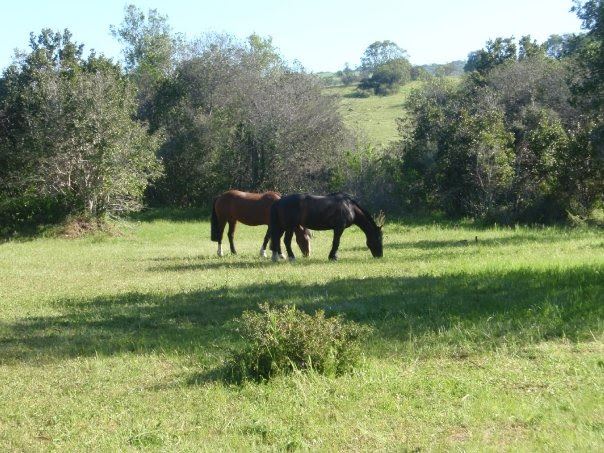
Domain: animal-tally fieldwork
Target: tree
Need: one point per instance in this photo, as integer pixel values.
(150, 51)
(71, 132)
(379, 53)
(591, 55)
(529, 48)
(419, 73)
(507, 143)
(496, 52)
(235, 118)
(387, 77)
(348, 75)
(446, 69)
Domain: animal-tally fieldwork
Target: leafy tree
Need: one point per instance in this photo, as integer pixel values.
(150, 51)
(379, 53)
(68, 132)
(586, 179)
(529, 48)
(235, 118)
(348, 75)
(419, 73)
(508, 143)
(446, 69)
(591, 55)
(387, 77)
(496, 52)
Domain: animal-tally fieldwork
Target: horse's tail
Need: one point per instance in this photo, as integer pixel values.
(215, 234)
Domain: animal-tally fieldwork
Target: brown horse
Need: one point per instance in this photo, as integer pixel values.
(250, 209)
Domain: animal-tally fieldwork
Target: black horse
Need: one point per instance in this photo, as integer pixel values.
(332, 212)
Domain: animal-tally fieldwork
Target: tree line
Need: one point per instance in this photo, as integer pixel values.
(518, 138)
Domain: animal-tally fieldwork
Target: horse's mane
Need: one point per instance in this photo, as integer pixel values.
(356, 203)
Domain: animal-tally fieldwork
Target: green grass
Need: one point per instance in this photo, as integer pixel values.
(116, 343)
(373, 117)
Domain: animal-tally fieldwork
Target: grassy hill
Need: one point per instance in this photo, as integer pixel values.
(113, 343)
(375, 116)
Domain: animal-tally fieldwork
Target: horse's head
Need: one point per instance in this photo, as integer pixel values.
(374, 238)
(303, 239)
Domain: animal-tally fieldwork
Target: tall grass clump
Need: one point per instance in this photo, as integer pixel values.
(281, 340)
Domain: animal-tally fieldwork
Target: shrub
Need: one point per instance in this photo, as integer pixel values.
(21, 214)
(281, 340)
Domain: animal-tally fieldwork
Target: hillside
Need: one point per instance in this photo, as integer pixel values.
(373, 117)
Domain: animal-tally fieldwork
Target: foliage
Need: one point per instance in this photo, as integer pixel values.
(282, 340)
(388, 77)
(508, 144)
(419, 73)
(25, 213)
(496, 52)
(518, 138)
(450, 69)
(379, 53)
(348, 76)
(283, 134)
(150, 50)
(68, 131)
(590, 59)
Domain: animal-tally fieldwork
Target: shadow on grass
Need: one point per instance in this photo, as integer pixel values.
(478, 311)
(175, 264)
(476, 241)
(171, 214)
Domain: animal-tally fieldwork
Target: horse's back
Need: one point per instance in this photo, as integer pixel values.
(248, 208)
(316, 212)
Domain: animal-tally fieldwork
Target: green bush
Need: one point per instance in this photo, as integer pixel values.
(281, 340)
(25, 212)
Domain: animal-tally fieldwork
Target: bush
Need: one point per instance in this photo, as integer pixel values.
(22, 214)
(281, 340)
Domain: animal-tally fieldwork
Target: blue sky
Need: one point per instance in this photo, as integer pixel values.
(322, 35)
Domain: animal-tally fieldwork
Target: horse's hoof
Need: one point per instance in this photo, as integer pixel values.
(291, 259)
(262, 253)
(281, 256)
(333, 258)
(275, 257)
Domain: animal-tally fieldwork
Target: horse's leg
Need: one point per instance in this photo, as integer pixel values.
(288, 244)
(276, 244)
(231, 234)
(266, 238)
(337, 233)
(221, 225)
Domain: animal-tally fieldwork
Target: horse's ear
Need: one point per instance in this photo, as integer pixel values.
(379, 219)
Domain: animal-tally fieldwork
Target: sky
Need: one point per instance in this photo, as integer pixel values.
(321, 35)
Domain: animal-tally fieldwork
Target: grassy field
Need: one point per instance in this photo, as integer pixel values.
(375, 116)
(114, 343)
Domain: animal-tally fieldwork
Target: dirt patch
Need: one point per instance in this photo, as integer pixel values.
(459, 435)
